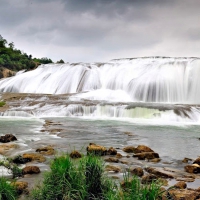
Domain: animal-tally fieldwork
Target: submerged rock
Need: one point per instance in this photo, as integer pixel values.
(111, 159)
(146, 155)
(34, 157)
(118, 155)
(4, 148)
(159, 172)
(112, 151)
(20, 160)
(31, 170)
(186, 160)
(7, 138)
(96, 149)
(138, 171)
(46, 150)
(129, 149)
(112, 168)
(75, 154)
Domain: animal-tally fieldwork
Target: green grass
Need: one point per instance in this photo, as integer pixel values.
(2, 103)
(7, 191)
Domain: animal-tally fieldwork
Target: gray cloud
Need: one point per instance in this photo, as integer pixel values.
(99, 30)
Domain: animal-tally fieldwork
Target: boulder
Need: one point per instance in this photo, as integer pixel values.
(146, 155)
(118, 155)
(195, 168)
(197, 161)
(112, 151)
(7, 138)
(96, 149)
(75, 154)
(129, 149)
(20, 160)
(112, 168)
(111, 159)
(34, 157)
(180, 185)
(143, 148)
(21, 186)
(138, 171)
(46, 150)
(148, 179)
(31, 170)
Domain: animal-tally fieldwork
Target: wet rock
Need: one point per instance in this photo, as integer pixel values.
(143, 148)
(197, 161)
(124, 162)
(163, 182)
(20, 160)
(112, 168)
(186, 160)
(129, 149)
(31, 170)
(159, 172)
(118, 155)
(112, 151)
(54, 131)
(96, 149)
(46, 150)
(111, 159)
(138, 171)
(7, 138)
(195, 168)
(21, 186)
(181, 194)
(34, 157)
(155, 160)
(148, 179)
(185, 179)
(146, 155)
(180, 185)
(75, 154)
(4, 148)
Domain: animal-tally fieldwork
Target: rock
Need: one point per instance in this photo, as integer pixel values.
(146, 155)
(143, 148)
(112, 168)
(7, 138)
(20, 160)
(75, 154)
(129, 149)
(20, 186)
(180, 185)
(4, 148)
(111, 159)
(155, 160)
(112, 151)
(197, 161)
(186, 160)
(159, 172)
(96, 149)
(118, 155)
(46, 150)
(195, 168)
(31, 170)
(163, 182)
(148, 179)
(137, 171)
(124, 162)
(34, 157)
(185, 179)
(183, 194)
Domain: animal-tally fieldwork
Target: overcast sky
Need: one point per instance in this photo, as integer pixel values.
(101, 30)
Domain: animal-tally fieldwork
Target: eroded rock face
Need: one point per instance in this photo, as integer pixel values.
(34, 157)
(46, 150)
(31, 170)
(146, 155)
(195, 168)
(75, 154)
(96, 149)
(7, 138)
(138, 171)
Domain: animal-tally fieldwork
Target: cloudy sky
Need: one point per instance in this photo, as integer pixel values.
(101, 30)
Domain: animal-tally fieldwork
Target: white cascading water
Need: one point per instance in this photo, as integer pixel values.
(151, 80)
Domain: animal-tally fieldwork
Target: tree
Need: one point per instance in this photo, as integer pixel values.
(60, 61)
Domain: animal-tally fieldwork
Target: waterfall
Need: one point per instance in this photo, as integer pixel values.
(152, 79)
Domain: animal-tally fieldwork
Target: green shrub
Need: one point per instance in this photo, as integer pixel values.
(7, 191)
(2, 103)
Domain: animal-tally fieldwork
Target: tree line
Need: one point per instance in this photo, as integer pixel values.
(14, 59)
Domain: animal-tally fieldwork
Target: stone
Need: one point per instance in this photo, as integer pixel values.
(34, 157)
(129, 149)
(21, 186)
(146, 155)
(148, 179)
(112, 168)
(112, 151)
(20, 160)
(159, 172)
(185, 179)
(180, 185)
(4, 148)
(75, 154)
(118, 155)
(197, 161)
(111, 159)
(195, 168)
(7, 138)
(96, 149)
(31, 170)
(186, 160)
(46, 150)
(143, 148)
(138, 171)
